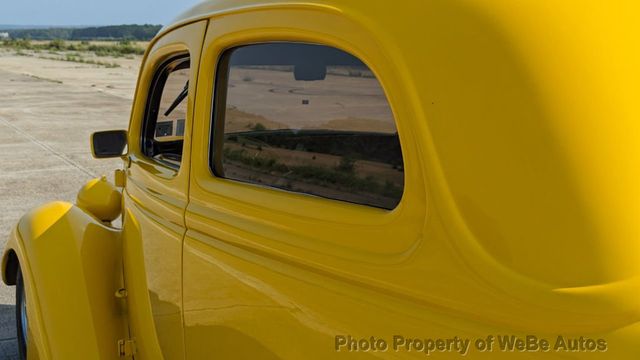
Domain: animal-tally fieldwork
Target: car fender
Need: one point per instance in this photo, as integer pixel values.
(72, 270)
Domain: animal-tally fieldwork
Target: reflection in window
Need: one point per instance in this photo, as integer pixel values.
(309, 119)
(171, 119)
(163, 134)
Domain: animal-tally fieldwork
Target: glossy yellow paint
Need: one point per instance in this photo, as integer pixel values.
(155, 199)
(495, 232)
(519, 128)
(100, 198)
(72, 266)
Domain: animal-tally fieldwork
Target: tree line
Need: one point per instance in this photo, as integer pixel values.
(116, 32)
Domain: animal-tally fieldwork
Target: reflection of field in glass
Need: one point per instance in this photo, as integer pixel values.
(338, 177)
(334, 138)
(171, 127)
(276, 100)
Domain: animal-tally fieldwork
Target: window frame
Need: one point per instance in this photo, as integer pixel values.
(218, 112)
(152, 104)
(217, 117)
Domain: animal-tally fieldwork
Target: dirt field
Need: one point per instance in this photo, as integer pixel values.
(48, 109)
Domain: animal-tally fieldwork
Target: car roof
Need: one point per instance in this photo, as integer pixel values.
(208, 8)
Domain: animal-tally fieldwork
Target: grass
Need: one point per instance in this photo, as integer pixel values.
(73, 58)
(347, 164)
(342, 176)
(71, 52)
(258, 127)
(44, 79)
(114, 49)
(79, 59)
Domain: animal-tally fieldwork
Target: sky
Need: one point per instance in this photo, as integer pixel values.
(91, 12)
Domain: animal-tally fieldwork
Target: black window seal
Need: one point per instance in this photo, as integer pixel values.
(219, 104)
(154, 96)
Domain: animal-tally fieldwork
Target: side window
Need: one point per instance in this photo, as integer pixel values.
(166, 113)
(308, 119)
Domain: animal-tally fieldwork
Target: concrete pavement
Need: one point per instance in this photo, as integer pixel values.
(48, 109)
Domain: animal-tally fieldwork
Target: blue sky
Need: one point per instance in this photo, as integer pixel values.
(90, 12)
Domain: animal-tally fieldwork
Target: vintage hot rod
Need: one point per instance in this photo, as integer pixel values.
(356, 179)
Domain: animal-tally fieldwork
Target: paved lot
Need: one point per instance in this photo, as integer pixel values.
(48, 109)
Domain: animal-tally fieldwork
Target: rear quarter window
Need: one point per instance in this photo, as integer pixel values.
(309, 119)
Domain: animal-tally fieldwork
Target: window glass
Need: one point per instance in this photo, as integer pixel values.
(306, 118)
(163, 133)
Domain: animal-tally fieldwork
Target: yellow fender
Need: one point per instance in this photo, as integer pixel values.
(72, 269)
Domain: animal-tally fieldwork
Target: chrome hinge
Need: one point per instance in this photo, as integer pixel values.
(126, 348)
(120, 178)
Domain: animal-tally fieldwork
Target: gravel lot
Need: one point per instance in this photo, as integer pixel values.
(48, 109)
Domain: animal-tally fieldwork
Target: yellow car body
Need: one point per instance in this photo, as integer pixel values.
(520, 129)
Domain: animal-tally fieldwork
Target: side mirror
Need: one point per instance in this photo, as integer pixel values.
(108, 144)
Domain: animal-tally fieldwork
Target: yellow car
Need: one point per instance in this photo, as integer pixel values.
(356, 179)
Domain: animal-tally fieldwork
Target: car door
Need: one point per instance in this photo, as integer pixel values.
(305, 194)
(156, 191)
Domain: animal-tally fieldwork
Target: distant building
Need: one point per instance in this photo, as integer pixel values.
(4, 35)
